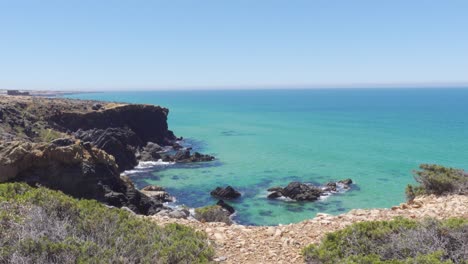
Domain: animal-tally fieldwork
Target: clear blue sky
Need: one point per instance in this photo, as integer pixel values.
(99, 44)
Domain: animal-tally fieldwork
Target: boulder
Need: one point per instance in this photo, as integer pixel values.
(302, 192)
(297, 191)
(150, 152)
(225, 193)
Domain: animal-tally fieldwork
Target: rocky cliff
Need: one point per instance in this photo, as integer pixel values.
(80, 147)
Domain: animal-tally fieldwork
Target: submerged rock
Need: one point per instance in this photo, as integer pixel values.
(226, 206)
(225, 193)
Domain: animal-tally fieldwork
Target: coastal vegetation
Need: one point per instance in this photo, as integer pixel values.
(394, 242)
(438, 180)
(39, 225)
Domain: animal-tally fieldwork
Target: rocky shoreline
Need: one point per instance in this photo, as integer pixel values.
(283, 243)
(81, 147)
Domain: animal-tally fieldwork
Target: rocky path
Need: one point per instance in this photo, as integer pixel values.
(283, 244)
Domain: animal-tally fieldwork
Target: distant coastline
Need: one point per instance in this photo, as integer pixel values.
(47, 93)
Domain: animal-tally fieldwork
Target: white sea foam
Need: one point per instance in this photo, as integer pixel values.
(144, 166)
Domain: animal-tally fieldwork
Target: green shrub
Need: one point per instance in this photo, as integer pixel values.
(212, 213)
(435, 179)
(38, 225)
(396, 241)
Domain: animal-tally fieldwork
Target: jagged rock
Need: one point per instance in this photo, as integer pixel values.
(226, 206)
(330, 187)
(150, 152)
(297, 191)
(301, 192)
(197, 157)
(119, 142)
(225, 193)
(182, 155)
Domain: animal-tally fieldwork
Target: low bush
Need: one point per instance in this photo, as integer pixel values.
(397, 241)
(439, 180)
(38, 225)
(212, 213)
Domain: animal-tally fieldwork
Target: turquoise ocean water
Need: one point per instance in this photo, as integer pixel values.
(266, 138)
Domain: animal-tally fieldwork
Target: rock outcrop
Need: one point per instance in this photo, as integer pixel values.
(184, 156)
(158, 193)
(297, 191)
(80, 170)
(119, 142)
(148, 122)
(80, 147)
(307, 192)
(225, 193)
(150, 152)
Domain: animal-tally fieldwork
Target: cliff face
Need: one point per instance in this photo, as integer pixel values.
(148, 122)
(79, 147)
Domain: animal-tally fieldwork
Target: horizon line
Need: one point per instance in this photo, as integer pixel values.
(420, 85)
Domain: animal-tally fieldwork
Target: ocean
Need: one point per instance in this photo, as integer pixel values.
(266, 138)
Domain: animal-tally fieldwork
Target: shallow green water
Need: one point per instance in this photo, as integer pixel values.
(267, 138)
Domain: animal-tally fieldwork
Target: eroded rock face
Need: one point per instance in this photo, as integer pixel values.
(78, 170)
(119, 142)
(80, 147)
(148, 122)
(225, 193)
